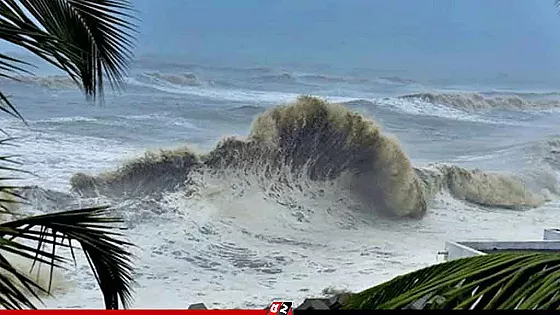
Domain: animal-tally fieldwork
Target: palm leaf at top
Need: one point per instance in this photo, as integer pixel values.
(86, 38)
(91, 41)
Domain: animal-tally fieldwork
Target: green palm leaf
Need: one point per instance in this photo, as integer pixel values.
(497, 281)
(90, 40)
(91, 229)
(85, 38)
(38, 238)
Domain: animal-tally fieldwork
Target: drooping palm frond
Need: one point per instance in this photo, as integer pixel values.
(9, 196)
(8, 68)
(497, 281)
(88, 39)
(38, 238)
(91, 228)
(84, 38)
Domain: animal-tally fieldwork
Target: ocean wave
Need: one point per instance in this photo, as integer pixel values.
(418, 107)
(51, 81)
(521, 94)
(397, 80)
(549, 152)
(325, 78)
(477, 101)
(313, 79)
(152, 174)
(247, 109)
(276, 78)
(78, 119)
(543, 159)
(305, 146)
(490, 189)
(185, 79)
(235, 95)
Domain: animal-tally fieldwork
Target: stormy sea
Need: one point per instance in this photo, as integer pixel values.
(240, 185)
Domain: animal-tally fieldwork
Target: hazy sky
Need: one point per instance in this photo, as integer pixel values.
(516, 37)
(508, 36)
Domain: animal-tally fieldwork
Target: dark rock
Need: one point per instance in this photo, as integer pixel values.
(197, 306)
(332, 303)
(314, 304)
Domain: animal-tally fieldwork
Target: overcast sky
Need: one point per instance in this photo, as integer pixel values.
(490, 36)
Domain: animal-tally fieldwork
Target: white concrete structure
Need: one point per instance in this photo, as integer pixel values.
(551, 234)
(454, 250)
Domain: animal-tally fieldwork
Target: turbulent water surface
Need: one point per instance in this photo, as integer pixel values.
(307, 196)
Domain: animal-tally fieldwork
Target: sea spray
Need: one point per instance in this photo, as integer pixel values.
(489, 189)
(153, 173)
(313, 141)
(186, 79)
(312, 136)
(330, 140)
(475, 101)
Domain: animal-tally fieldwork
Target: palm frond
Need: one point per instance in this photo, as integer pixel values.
(9, 68)
(497, 281)
(7, 107)
(16, 287)
(8, 193)
(93, 229)
(85, 38)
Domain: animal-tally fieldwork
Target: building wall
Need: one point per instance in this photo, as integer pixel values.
(552, 235)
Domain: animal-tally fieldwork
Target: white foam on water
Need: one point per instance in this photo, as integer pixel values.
(53, 157)
(229, 245)
(230, 248)
(250, 252)
(419, 107)
(231, 95)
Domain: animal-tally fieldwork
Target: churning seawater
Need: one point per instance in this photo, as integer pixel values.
(236, 238)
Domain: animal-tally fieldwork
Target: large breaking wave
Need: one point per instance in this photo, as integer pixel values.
(477, 101)
(312, 146)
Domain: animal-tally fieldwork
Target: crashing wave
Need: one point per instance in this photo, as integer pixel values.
(325, 141)
(328, 141)
(397, 80)
(482, 188)
(152, 174)
(476, 101)
(185, 79)
(546, 152)
(527, 95)
(323, 78)
(276, 78)
(316, 141)
(330, 79)
(51, 82)
(247, 110)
